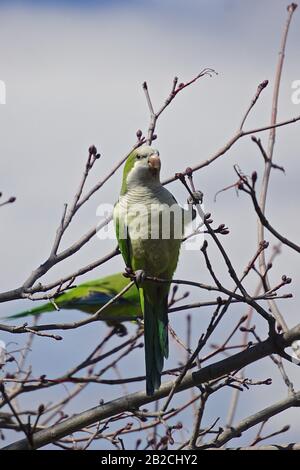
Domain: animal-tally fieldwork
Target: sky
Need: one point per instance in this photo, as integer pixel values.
(73, 73)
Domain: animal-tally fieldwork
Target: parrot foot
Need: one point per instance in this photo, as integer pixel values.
(196, 198)
(140, 276)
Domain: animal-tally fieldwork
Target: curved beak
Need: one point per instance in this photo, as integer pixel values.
(154, 162)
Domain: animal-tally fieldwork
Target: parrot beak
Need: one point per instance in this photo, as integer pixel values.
(154, 162)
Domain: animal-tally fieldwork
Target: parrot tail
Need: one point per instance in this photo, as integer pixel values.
(156, 337)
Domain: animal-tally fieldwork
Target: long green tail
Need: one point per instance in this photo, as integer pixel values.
(155, 310)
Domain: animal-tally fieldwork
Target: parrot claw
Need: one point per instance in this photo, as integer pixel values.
(196, 198)
(128, 273)
(140, 276)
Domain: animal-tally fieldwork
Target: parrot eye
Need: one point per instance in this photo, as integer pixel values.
(138, 157)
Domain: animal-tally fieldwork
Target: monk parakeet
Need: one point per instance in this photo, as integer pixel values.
(91, 296)
(149, 240)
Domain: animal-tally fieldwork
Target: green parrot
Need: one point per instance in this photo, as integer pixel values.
(149, 236)
(91, 296)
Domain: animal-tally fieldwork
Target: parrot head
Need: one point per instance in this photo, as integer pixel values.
(142, 167)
